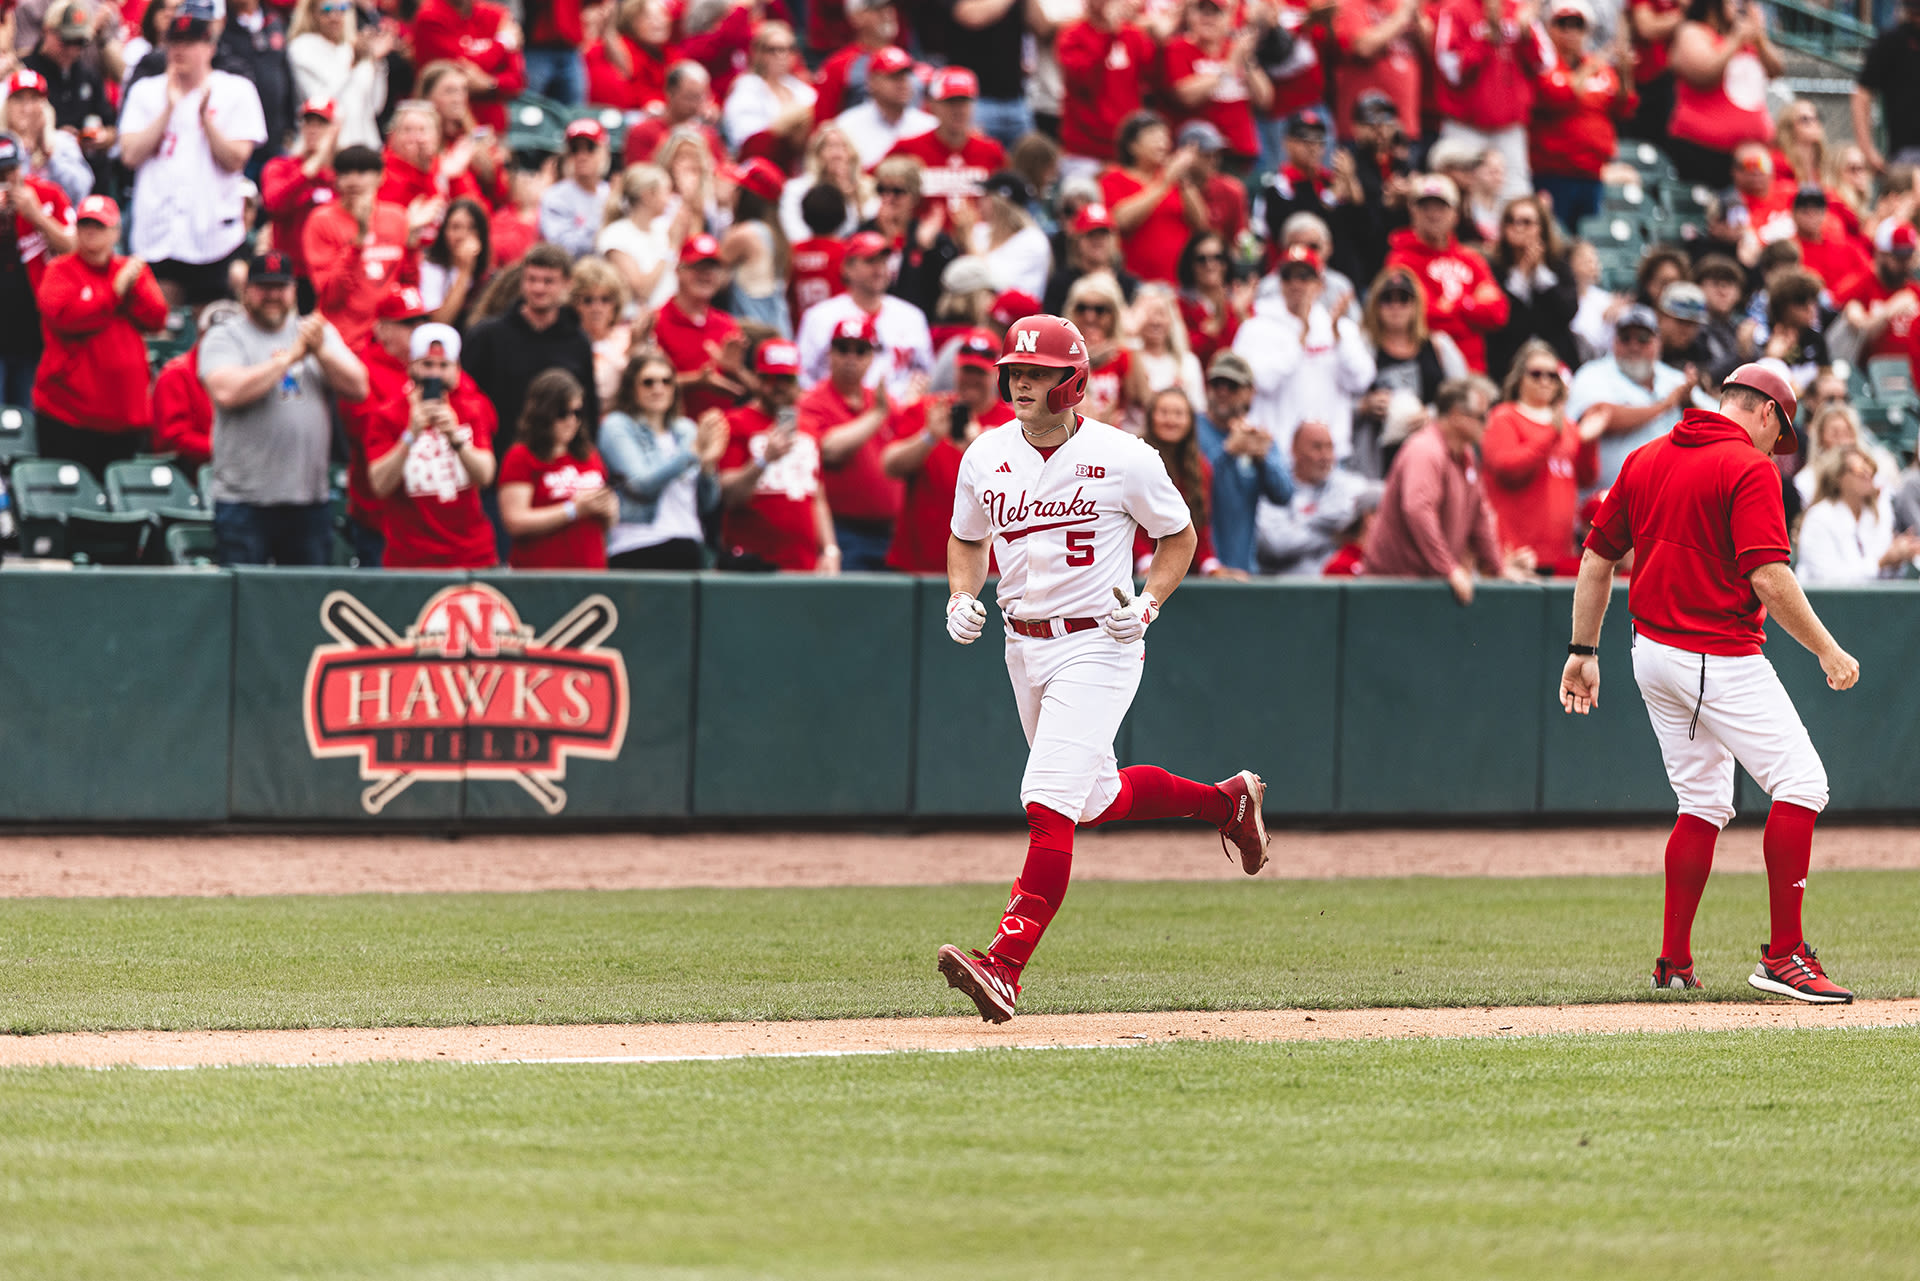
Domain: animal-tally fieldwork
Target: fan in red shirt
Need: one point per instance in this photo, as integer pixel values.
(1838, 260)
(627, 68)
(554, 497)
(1464, 302)
(814, 264)
(1537, 462)
(294, 185)
(703, 342)
(384, 354)
(1652, 23)
(1154, 198)
(851, 423)
(688, 105)
(415, 168)
(356, 247)
(484, 40)
(1883, 305)
(929, 438)
(1377, 50)
(430, 452)
(956, 158)
(1213, 76)
(91, 391)
(842, 79)
(182, 410)
(776, 506)
(1108, 66)
(1578, 101)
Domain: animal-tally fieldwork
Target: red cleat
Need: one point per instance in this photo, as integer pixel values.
(986, 980)
(1798, 975)
(1246, 829)
(1668, 976)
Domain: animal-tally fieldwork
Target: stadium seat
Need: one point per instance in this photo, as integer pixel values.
(206, 490)
(17, 434)
(64, 514)
(1895, 425)
(190, 544)
(1891, 379)
(161, 491)
(1612, 230)
(536, 124)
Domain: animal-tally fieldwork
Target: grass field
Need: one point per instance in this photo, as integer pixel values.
(1738, 1155)
(93, 964)
(1748, 1155)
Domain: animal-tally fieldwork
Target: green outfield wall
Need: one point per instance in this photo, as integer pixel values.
(470, 700)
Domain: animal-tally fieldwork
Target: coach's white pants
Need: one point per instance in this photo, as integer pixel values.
(1744, 715)
(1073, 692)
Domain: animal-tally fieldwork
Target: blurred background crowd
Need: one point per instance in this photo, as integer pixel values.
(1392, 286)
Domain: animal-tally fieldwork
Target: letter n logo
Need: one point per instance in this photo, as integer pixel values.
(1027, 340)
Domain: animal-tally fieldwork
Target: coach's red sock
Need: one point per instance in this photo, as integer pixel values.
(1149, 792)
(1037, 893)
(1689, 860)
(1788, 845)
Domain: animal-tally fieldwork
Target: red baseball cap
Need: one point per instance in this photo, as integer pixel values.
(404, 303)
(762, 177)
(952, 82)
(978, 349)
(1095, 217)
(1011, 306)
(321, 107)
(26, 80)
(700, 248)
(589, 128)
(867, 244)
(1775, 387)
(1894, 237)
(856, 329)
(777, 356)
(1302, 255)
(890, 61)
(100, 209)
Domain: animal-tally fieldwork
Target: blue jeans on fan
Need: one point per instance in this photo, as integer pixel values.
(1573, 198)
(1005, 120)
(558, 74)
(275, 534)
(16, 378)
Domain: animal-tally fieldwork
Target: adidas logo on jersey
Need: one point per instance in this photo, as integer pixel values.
(1003, 467)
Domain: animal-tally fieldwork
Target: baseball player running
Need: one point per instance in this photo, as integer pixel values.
(1702, 509)
(1060, 495)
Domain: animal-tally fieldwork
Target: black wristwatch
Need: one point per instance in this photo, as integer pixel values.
(1583, 651)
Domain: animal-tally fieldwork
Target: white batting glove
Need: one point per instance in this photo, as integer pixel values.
(965, 618)
(1128, 623)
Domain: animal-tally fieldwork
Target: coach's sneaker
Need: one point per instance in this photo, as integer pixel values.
(1798, 975)
(1668, 976)
(989, 983)
(1246, 829)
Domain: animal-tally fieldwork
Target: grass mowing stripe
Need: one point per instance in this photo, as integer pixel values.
(692, 955)
(1748, 1155)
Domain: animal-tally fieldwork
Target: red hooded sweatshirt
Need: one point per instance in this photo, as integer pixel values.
(1702, 509)
(1485, 79)
(182, 411)
(1464, 302)
(94, 373)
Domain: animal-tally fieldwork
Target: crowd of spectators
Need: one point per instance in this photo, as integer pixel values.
(741, 307)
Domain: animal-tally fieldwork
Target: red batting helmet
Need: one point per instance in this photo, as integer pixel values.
(1053, 343)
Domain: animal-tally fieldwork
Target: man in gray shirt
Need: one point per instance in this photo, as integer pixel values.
(1299, 537)
(572, 210)
(268, 373)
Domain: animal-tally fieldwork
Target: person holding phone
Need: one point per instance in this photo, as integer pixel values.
(852, 423)
(430, 451)
(776, 508)
(929, 437)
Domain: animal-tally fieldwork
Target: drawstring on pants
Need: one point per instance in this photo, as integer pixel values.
(1694, 724)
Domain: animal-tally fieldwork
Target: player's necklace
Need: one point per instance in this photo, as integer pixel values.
(1034, 436)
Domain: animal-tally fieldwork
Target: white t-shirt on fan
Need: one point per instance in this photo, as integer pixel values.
(186, 208)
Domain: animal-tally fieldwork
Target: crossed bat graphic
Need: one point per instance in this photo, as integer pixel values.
(352, 623)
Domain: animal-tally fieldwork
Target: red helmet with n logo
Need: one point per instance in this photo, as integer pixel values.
(1054, 343)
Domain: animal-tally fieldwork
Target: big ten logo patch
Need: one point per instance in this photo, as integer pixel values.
(1090, 472)
(468, 692)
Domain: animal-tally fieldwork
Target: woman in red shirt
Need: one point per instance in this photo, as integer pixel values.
(1577, 104)
(627, 68)
(1116, 385)
(1722, 64)
(444, 85)
(1208, 306)
(1212, 75)
(554, 498)
(1155, 198)
(1538, 461)
(1170, 430)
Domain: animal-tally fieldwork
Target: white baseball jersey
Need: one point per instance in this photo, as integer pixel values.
(186, 208)
(903, 346)
(1063, 526)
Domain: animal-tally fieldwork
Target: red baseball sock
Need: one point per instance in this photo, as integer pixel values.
(1037, 893)
(1788, 845)
(1149, 792)
(1689, 860)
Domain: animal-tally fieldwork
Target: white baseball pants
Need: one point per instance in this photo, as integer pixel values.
(1073, 692)
(1744, 715)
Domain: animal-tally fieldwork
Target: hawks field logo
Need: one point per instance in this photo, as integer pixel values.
(468, 692)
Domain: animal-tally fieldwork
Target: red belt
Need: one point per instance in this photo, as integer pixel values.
(1043, 628)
